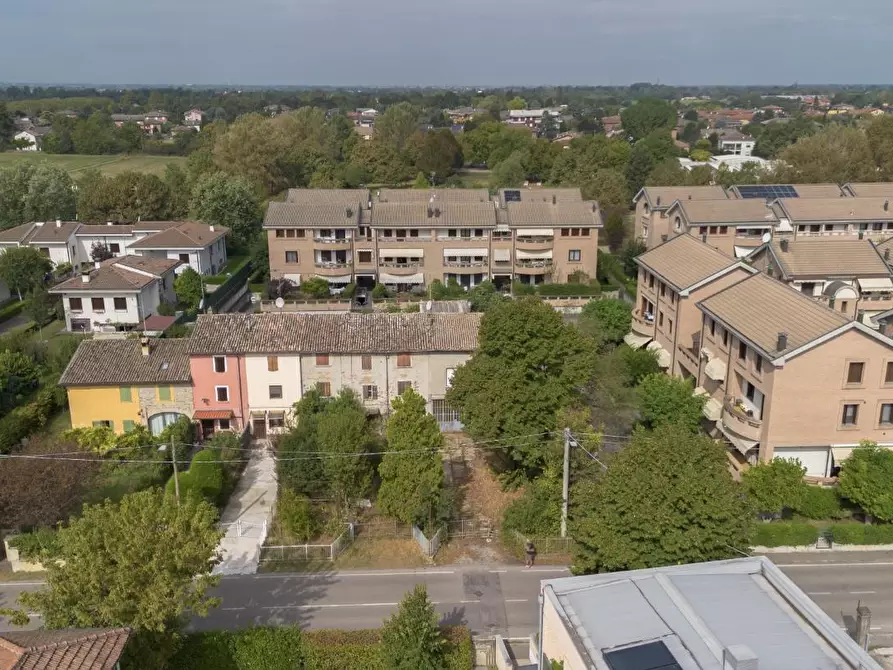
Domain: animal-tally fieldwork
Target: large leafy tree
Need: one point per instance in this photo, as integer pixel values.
(144, 562)
(836, 154)
(50, 195)
(411, 638)
(865, 478)
(188, 288)
(7, 126)
(343, 434)
(647, 115)
(666, 400)
(775, 485)
(609, 188)
(529, 365)
(13, 193)
(396, 125)
(438, 153)
(228, 201)
(129, 196)
(411, 469)
(666, 498)
(608, 319)
(23, 268)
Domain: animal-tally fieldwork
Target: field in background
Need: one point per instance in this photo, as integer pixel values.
(76, 164)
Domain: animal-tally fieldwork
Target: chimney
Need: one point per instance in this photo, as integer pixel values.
(58, 223)
(211, 227)
(689, 196)
(861, 234)
(657, 202)
(887, 254)
(739, 657)
(144, 346)
(348, 213)
(784, 245)
(782, 342)
(85, 277)
(863, 625)
(554, 199)
(110, 223)
(886, 205)
(704, 238)
(96, 264)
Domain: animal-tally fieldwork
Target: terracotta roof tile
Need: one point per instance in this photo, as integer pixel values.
(800, 210)
(661, 197)
(545, 214)
(540, 194)
(882, 189)
(459, 214)
(684, 261)
(726, 211)
(343, 197)
(103, 230)
(16, 234)
(333, 333)
(325, 215)
(73, 649)
(120, 362)
(125, 273)
(185, 235)
(832, 257)
(440, 195)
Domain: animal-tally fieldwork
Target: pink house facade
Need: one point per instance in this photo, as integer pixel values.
(219, 392)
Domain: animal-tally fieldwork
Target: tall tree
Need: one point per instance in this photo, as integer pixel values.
(609, 188)
(411, 469)
(668, 399)
(439, 154)
(144, 563)
(50, 196)
(666, 498)
(509, 172)
(23, 268)
(607, 320)
(396, 125)
(865, 479)
(343, 433)
(228, 201)
(13, 193)
(7, 126)
(837, 154)
(647, 115)
(411, 638)
(188, 288)
(775, 485)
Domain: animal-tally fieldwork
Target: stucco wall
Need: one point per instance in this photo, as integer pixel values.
(556, 641)
(102, 403)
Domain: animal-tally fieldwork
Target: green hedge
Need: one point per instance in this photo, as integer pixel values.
(286, 647)
(204, 477)
(568, 290)
(784, 534)
(862, 533)
(28, 419)
(12, 309)
(820, 503)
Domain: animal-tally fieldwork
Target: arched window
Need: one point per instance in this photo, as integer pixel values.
(159, 422)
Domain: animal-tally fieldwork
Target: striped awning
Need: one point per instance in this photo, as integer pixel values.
(340, 279)
(536, 232)
(386, 278)
(213, 414)
(663, 356)
(533, 255)
(502, 255)
(635, 341)
(395, 253)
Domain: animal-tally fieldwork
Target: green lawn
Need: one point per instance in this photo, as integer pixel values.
(76, 164)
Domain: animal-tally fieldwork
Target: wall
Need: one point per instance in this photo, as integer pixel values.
(556, 640)
(110, 315)
(181, 402)
(102, 403)
(205, 379)
(84, 245)
(259, 379)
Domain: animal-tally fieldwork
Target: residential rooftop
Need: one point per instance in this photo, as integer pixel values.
(539, 194)
(314, 215)
(685, 261)
(345, 197)
(71, 649)
(422, 214)
(49, 232)
(759, 308)
(833, 257)
(699, 212)
(661, 197)
(124, 273)
(560, 213)
(185, 235)
(881, 189)
(379, 333)
(439, 195)
(801, 210)
(114, 362)
(801, 190)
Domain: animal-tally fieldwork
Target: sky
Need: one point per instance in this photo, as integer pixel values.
(452, 43)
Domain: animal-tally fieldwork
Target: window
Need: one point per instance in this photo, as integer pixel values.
(291, 256)
(725, 337)
(888, 373)
(713, 230)
(370, 392)
(403, 386)
(45, 251)
(574, 255)
(272, 363)
(290, 233)
(276, 420)
(663, 290)
(104, 423)
(660, 320)
(322, 359)
(670, 326)
(184, 258)
(366, 362)
(222, 393)
(758, 363)
(702, 230)
(275, 392)
(850, 415)
(712, 328)
(723, 230)
(565, 232)
(443, 412)
(402, 233)
(75, 305)
(584, 232)
(404, 360)
(280, 232)
(324, 389)
(575, 232)
(164, 393)
(98, 304)
(886, 417)
(672, 298)
(120, 304)
(449, 377)
(219, 363)
(650, 281)
(364, 256)
(742, 351)
(843, 305)
(223, 424)
(128, 425)
(125, 394)
(389, 233)
(115, 248)
(854, 373)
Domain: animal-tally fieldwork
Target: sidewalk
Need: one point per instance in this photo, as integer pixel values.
(247, 515)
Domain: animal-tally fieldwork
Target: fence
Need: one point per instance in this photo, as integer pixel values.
(308, 552)
(429, 547)
(462, 528)
(243, 529)
(235, 283)
(545, 546)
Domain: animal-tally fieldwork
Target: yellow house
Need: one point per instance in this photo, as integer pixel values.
(123, 383)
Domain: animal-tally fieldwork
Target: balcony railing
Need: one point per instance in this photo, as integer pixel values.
(737, 418)
(420, 238)
(690, 355)
(332, 265)
(332, 240)
(643, 324)
(441, 238)
(465, 264)
(533, 264)
(531, 239)
(394, 264)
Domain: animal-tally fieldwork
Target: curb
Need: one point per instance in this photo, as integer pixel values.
(812, 549)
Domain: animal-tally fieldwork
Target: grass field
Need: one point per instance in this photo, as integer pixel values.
(75, 164)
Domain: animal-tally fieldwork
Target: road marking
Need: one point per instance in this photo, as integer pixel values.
(877, 628)
(461, 602)
(497, 571)
(548, 570)
(311, 607)
(518, 600)
(5, 585)
(858, 593)
(231, 609)
(338, 575)
(818, 593)
(830, 565)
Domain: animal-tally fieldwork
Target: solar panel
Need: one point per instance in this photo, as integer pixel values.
(768, 191)
(651, 656)
(512, 196)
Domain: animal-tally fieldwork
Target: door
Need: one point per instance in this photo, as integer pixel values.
(80, 325)
(260, 428)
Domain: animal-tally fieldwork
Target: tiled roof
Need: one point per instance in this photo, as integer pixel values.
(153, 226)
(113, 362)
(443, 214)
(832, 257)
(116, 274)
(539, 194)
(562, 213)
(334, 333)
(759, 308)
(882, 189)
(186, 235)
(837, 209)
(103, 231)
(16, 234)
(664, 196)
(886, 247)
(344, 197)
(439, 194)
(684, 261)
(51, 231)
(726, 211)
(287, 214)
(74, 649)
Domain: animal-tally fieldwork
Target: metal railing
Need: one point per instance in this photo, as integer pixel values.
(533, 264)
(308, 552)
(463, 264)
(732, 407)
(386, 264)
(332, 240)
(333, 264)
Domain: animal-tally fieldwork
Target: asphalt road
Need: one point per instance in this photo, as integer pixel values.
(498, 598)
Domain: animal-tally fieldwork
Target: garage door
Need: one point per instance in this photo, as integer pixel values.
(817, 461)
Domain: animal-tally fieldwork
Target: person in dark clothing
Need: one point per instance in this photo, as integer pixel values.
(530, 550)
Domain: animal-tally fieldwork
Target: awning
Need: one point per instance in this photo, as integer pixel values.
(881, 284)
(276, 413)
(503, 227)
(292, 277)
(465, 252)
(712, 409)
(741, 252)
(533, 255)
(340, 279)
(742, 445)
(259, 413)
(663, 356)
(394, 253)
(536, 232)
(502, 255)
(784, 226)
(386, 278)
(715, 369)
(213, 414)
(636, 341)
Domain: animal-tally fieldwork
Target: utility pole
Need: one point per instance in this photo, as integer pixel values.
(566, 482)
(176, 472)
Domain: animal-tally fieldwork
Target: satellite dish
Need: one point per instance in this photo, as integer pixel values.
(767, 237)
(280, 303)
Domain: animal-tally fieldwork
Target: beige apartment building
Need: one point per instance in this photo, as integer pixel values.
(792, 378)
(856, 217)
(880, 189)
(735, 227)
(673, 278)
(652, 202)
(407, 238)
(844, 273)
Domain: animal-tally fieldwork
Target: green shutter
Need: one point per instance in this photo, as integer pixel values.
(128, 425)
(125, 394)
(164, 392)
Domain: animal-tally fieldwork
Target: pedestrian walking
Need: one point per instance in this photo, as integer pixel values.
(530, 550)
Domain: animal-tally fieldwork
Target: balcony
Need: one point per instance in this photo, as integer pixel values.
(690, 357)
(643, 324)
(466, 265)
(535, 243)
(533, 267)
(393, 267)
(332, 268)
(737, 419)
(333, 242)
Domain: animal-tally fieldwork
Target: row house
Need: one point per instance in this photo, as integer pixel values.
(849, 275)
(652, 202)
(125, 383)
(792, 378)
(673, 277)
(406, 239)
(735, 227)
(248, 370)
(836, 217)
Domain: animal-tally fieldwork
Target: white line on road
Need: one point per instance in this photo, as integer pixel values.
(461, 602)
(518, 600)
(5, 585)
(338, 575)
(548, 570)
(232, 609)
(313, 607)
(498, 571)
(830, 565)
(857, 593)
(818, 593)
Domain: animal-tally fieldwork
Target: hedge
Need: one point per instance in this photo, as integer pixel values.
(12, 309)
(784, 534)
(820, 503)
(204, 477)
(568, 290)
(862, 533)
(286, 647)
(28, 419)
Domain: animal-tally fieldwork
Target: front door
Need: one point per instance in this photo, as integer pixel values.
(207, 429)
(260, 428)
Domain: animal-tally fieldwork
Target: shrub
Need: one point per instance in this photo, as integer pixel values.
(203, 478)
(343, 650)
(784, 534)
(349, 290)
(296, 516)
(567, 290)
(412, 307)
(166, 309)
(817, 502)
(315, 287)
(538, 511)
(270, 648)
(12, 309)
(380, 292)
(862, 533)
(17, 425)
(775, 485)
(35, 545)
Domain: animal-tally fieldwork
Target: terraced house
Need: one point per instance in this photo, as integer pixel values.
(406, 239)
(124, 383)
